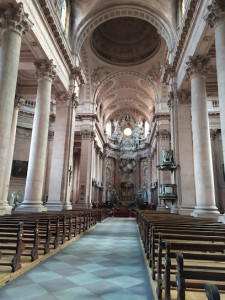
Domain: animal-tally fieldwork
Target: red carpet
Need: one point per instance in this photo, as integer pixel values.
(122, 214)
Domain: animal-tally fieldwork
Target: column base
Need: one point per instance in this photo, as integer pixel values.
(31, 208)
(67, 206)
(205, 211)
(5, 210)
(186, 210)
(221, 218)
(81, 205)
(54, 206)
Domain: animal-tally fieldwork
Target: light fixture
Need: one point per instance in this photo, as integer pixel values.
(127, 131)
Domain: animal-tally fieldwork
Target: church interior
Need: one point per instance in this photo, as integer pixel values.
(112, 149)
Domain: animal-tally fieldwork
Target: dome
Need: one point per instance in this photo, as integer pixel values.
(125, 41)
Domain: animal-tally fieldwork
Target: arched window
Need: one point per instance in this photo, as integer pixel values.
(64, 14)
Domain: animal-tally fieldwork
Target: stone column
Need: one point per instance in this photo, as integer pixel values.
(203, 170)
(38, 149)
(104, 177)
(57, 173)
(216, 19)
(18, 103)
(186, 183)
(87, 147)
(15, 25)
(69, 154)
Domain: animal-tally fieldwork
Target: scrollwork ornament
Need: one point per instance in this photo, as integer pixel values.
(14, 18)
(197, 65)
(216, 13)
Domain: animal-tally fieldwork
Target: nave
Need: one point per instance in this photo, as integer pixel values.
(106, 263)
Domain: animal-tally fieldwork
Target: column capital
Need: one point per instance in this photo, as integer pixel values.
(170, 101)
(19, 101)
(50, 135)
(79, 74)
(216, 13)
(45, 69)
(74, 100)
(14, 18)
(163, 134)
(197, 66)
(87, 134)
(62, 99)
(184, 97)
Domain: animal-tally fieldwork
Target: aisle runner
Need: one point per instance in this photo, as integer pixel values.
(105, 264)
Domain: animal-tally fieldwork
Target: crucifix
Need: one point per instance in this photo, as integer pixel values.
(70, 174)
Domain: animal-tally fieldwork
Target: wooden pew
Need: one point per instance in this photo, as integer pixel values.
(12, 246)
(199, 275)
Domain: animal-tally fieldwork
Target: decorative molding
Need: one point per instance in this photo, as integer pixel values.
(216, 13)
(49, 12)
(183, 32)
(197, 66)
(15, 19)
(25, 117)
(45, 69)
(87, 116)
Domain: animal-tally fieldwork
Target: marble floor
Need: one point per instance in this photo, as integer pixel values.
(105, 264)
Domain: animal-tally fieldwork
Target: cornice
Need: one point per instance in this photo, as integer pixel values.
(55, 25)
(87, 116)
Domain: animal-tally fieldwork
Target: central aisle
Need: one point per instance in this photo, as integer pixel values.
(105, 264)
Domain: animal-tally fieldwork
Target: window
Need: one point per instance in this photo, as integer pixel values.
(181, 7)
(64, 14)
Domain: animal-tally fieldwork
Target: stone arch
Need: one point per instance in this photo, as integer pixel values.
(128, 73)
(122, 10)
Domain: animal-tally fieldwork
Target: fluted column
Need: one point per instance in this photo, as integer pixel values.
(57, 174)
(38, 149)
(15, 25)
(203, 170)
(216, 19)
(18, 103)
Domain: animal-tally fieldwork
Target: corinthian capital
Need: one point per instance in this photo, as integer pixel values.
(197, 65)
(45, 69)
(62, 99)
(14, 18)
(184, 97)
(216, 13)
(19, 101)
